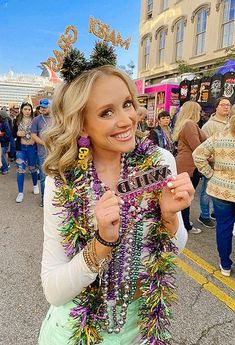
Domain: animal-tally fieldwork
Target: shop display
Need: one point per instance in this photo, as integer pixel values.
(216, 87)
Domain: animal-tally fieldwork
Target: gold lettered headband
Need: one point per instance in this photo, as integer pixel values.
(65, 42)
(102, 30)
(70, 62)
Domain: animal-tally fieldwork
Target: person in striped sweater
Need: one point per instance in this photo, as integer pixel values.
(221, 187)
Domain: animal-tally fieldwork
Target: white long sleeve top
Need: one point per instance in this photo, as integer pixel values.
(64, 278)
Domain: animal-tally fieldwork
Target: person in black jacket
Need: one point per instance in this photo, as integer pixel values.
(5, 135)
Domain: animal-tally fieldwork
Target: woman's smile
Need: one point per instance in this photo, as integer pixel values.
(124, 135)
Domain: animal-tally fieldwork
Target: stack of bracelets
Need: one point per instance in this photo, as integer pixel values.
(93, 262)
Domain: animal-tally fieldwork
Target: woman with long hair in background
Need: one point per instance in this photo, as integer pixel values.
(187, 135)
(25, 149)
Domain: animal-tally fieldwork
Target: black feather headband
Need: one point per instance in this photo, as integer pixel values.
(75, 63)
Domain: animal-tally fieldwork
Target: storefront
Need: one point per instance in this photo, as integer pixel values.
(157, 98)
(142, 98)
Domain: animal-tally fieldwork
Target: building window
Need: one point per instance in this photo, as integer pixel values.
(146, 45)
(149, 9)
(179, 40)
(162, 43)
(228, 23)
(201, 31)
(164, 5)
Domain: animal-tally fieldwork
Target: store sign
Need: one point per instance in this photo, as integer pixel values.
(139, 83)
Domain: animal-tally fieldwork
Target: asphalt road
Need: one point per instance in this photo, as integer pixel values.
(204, 313)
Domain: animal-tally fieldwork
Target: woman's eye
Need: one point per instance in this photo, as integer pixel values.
(107, 113)
(128, 104)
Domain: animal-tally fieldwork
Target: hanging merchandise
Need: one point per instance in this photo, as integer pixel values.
(151, 111)
(203, 96)
(228, 86)
(194, 89)
(216, 87)
(184, 91)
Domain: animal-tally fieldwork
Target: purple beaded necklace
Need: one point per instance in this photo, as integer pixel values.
(89, 316)
(119, 282)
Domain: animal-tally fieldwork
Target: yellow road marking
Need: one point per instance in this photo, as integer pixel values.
(210, 269)
(214, 290)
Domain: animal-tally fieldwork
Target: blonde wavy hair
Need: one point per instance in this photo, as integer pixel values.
(190, 111)
(68, 104)
(232, 110)
(232, 124)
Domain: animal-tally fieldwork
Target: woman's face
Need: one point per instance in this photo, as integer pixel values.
(110, 119)
(164, 121)
(26, 110)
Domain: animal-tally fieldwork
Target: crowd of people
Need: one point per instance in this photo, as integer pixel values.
(100, 278)
(20, 138)
(206, 153)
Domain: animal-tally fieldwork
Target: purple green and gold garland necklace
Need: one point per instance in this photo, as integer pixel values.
(117, 286)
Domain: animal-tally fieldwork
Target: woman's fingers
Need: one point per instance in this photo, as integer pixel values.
(107, 195)
(184, 187)
(112, 209)
(103, 213)
(181, 187)
(112, 217)
(108, 199)
(183, 195)
(180, 181)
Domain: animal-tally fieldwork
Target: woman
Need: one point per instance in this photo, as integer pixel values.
(99, 281)
(25, 149)
(161, 135)
(142, 128)
(188, 136)
(221, 187)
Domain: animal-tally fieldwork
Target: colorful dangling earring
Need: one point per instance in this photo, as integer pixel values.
(83, 144)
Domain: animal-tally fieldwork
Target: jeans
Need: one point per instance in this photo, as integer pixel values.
(26, 154)
(4, 161)
(41, 160)
(186, 212)
(225, 218)
(204, 199)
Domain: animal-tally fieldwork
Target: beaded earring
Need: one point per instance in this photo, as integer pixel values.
(83, 144)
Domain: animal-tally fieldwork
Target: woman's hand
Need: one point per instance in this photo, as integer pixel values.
(176, 196)
(21, 133)
(107, 213)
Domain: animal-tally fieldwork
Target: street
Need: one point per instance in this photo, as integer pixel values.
(203, 315)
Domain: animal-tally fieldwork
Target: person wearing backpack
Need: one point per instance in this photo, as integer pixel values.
(5, 135)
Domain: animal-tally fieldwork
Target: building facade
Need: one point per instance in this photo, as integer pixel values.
(196, 31)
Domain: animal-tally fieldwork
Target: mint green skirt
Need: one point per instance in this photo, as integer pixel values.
(55, 328)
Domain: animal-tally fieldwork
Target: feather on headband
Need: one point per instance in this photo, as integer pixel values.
(75, 63)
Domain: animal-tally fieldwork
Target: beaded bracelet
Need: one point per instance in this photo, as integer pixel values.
(105, 243)
(93, 262)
